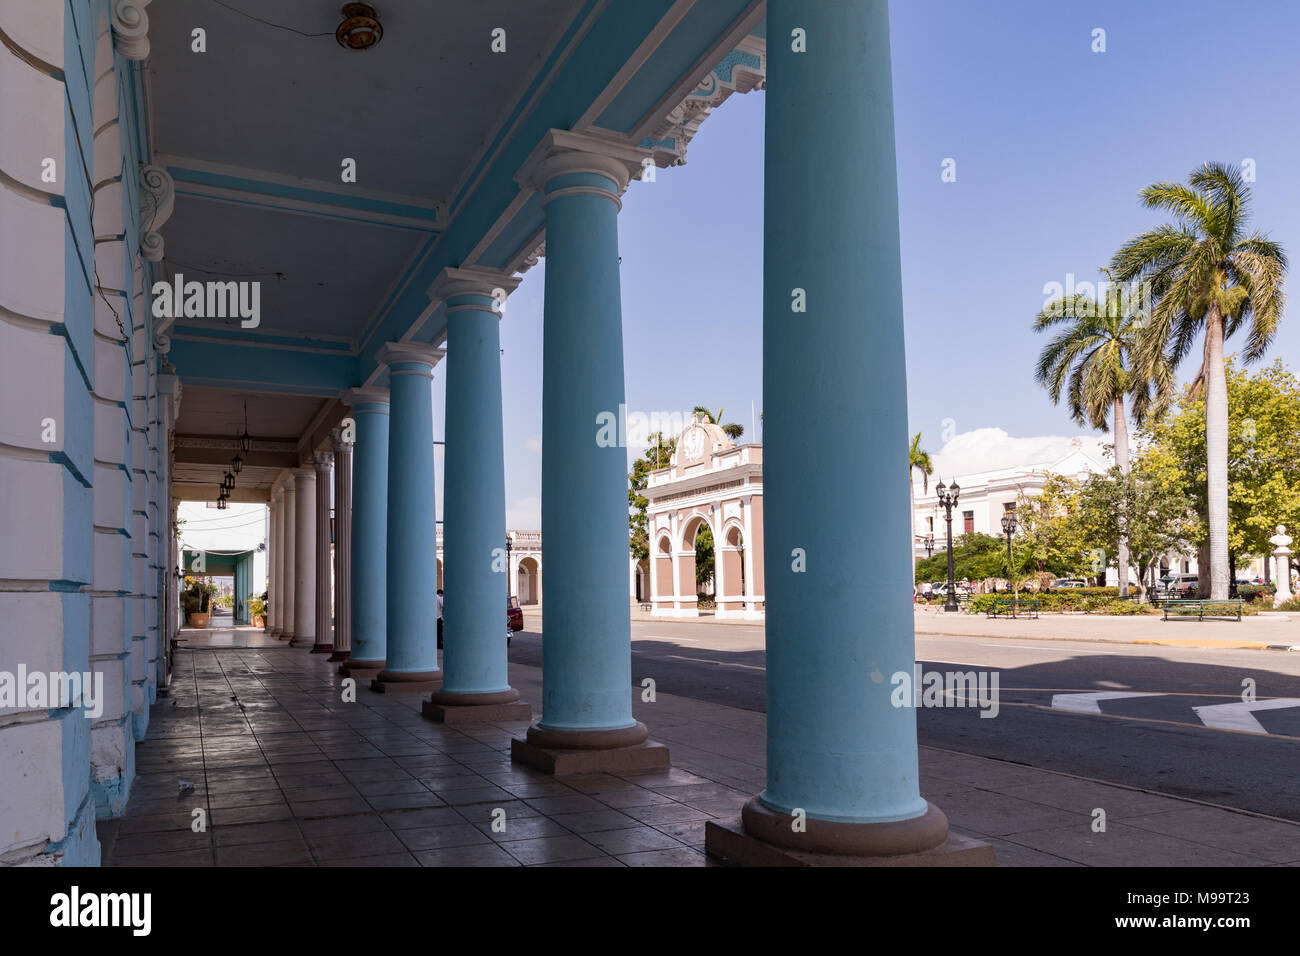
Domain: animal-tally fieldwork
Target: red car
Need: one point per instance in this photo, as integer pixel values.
(514, 618)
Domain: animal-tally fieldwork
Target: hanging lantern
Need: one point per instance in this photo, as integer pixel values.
(236, 464)
(228, 482)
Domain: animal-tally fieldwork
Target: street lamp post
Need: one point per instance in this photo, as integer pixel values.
(948, 499)
(929, 545)
(509, 547)
(1009, 529)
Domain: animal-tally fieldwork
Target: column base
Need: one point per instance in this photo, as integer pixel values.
(449, 707)
(588, 751)
(764, 837)
(322, 649)
(273, 632)
(339, 656)
(363, 669)
(404, 682)
(303, 640)
(285, 636)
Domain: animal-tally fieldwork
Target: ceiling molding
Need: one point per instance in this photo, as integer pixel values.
(205, 180)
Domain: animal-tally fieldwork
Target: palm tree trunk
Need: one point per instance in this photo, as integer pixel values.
(1216, 453)
(1121, 459)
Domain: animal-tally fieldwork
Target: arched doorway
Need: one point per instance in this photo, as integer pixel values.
(662, 582)
(731, 589)
(696, 572)
(530, 582)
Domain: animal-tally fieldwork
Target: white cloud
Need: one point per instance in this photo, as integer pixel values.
(524, 514)
(991, 449)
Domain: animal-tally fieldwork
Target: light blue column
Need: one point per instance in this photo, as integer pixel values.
(835, 426)
(412, 651)
(475, 572)
(369, 413)
(586, 667)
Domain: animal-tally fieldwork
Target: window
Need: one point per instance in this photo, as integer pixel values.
(929, 524)
(968, 522)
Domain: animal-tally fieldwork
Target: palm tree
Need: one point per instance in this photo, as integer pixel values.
(917, 460)
(731, 430)
(1207, 274)
(1095, 361)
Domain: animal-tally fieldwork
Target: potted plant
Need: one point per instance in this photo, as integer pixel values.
(257, 611)
(196, 600)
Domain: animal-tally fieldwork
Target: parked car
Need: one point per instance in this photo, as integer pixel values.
(1070, 583)
(514, 618)
(1180, 586)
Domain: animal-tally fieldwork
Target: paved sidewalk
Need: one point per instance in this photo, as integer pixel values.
(1271, 631)
(288, 774)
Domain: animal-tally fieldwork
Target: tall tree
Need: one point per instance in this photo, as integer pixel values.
(1207, 274)
(1095, 360)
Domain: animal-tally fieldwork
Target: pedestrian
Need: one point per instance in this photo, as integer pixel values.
(440, 617)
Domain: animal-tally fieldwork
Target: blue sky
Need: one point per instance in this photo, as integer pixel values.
(1052, 143)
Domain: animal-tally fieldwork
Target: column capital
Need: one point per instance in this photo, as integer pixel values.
(564, 152)
(322, 460)
(402, 355)
(303, 473)
(369, 395)
(130, 28)
(459, 288)
(337, 442)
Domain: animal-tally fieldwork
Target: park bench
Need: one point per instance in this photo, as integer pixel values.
(1010, 607)
(1203, 607)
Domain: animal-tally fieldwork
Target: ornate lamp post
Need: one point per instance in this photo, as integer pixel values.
(929, 545)
(509, 548)
(948, 499)
(1009, 529)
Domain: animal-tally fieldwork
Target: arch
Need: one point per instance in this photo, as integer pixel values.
(439, 560)
(528, 573)
(691, 528)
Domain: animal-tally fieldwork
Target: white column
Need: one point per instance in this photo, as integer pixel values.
(272, 555)
(304, 556)
(651, 545)
(677, 562)
(288, 566)
(746, 507)
(324, 615)
(342, 545)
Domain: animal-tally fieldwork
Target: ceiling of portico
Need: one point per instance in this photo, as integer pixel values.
(266, 98)
(254, 131)
(209, 424)
(319, 277)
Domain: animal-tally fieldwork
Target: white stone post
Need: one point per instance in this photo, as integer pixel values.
(1282, 558)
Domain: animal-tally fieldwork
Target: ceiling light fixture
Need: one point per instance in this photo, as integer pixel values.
(360, 29)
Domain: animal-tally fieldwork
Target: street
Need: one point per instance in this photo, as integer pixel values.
(1157, 741)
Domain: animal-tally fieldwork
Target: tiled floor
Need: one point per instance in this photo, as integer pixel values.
(286, 773)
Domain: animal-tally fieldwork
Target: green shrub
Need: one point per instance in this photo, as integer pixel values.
(1291, 605)
(1123, 608)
